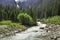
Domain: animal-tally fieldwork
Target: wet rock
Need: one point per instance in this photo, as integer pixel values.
(41, 27)
(46, 29)
(58, 38)
(35, 31)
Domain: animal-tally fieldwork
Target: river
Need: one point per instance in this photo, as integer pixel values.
(33, 33)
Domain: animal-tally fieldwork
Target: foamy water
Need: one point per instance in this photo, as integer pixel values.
(33, 33)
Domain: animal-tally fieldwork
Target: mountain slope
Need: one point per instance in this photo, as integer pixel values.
(24, 4)
(7, 2)
(31, 3)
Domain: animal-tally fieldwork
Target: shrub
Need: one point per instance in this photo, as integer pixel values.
(54, 20)
(25, 19)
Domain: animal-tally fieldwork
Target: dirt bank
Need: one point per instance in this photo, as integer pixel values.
(7, 30)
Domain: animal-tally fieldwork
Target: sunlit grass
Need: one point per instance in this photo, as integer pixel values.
(8, 22)
(54, 20)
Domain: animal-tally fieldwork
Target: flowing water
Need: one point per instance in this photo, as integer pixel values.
(33, 33)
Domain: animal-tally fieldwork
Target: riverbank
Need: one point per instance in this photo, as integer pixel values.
(50, 32)
(7, 30)
(53, 20)
(54, 31)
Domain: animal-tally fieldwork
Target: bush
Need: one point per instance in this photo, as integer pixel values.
(54, 20)
(25, 19)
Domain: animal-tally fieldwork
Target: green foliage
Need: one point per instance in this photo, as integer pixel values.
(48, 8)
(25, 19)
(5, 22)
(32, 12)
(55, 20)
(8, 22)
(11, 24)
(9, 13)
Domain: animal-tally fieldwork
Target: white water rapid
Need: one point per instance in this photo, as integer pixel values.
(33, 33)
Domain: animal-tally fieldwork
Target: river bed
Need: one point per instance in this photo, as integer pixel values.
(33, 33)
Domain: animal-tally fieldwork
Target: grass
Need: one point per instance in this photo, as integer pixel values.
(8, 22)
(54, 20)
(7, 26)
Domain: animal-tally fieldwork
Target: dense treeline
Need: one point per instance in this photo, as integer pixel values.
(11, 13)
(8, 13)
(47, 8)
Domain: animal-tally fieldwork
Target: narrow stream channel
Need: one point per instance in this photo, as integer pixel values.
(33, 33)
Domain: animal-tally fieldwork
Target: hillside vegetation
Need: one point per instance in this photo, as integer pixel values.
(46, 9)
(53, 20)
(13, 19)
